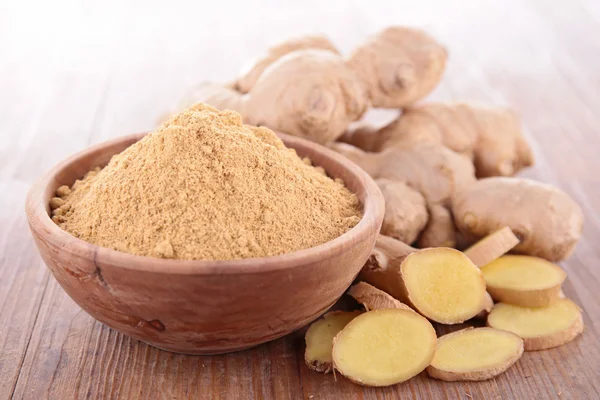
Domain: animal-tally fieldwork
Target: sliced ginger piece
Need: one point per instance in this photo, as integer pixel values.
(443, 285)
(374, 299)
(475, 354)
(440, 283)
(487, 307)
(319, 339)
(384, 347)
(492, 247)
(524, 280)
(540, 327)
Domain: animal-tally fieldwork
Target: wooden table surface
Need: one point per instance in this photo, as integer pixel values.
(75, 73)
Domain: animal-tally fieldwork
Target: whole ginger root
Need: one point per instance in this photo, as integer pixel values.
(492, 137)
(253, 71)
(405, 211)
(546, 220)
(308, 93)
(304, 87)
(400, 66)
(432, 170)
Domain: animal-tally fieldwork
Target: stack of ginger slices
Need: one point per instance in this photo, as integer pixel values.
(403, 289)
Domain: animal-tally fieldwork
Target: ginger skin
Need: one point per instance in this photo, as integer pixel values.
(440, 230)
(324, 97)
(405, 211)
(479, 211)
(433, 170)
(304, 87)
(491, 137)
(374, 299)
(400, 66)
(251, 73)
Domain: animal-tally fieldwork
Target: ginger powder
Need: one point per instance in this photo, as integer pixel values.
(206, 187)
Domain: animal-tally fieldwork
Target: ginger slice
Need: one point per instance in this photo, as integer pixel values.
(492, 247)
(440, 283)
(487, 307)
(523, 280)
(374, 299)
(474, 354)
(443, 285)
(540, 327)
(384, 347)
(319, 339)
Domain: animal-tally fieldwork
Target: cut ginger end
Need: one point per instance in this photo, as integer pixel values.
(319, 339)
(384, 347)
(492, 247)
(540, 327)
(444, 285)
(523, 280)
(475, 354)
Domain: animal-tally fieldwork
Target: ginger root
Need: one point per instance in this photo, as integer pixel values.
(400, 65)
(492, 247)
(304, 87)
(540, 327)
(384, 347)
(308, 93)
(523, 280)
(319, 339)
(432, 170)
(405, 211)
(475, 354)
(374, 299)
(441, 283)
(252, 72)
(490, 204)
(440, 230)
(491, 137)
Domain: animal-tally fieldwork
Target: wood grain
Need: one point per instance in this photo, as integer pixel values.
(74, 74)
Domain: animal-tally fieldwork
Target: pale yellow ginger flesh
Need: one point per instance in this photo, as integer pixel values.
(443, 285)
(487, 307)
(374, 299)
(384, 347)
(524, 280)
(319, 339)
(492, 247)
(475, 354)
(540, 327)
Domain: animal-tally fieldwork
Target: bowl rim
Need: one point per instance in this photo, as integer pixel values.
(42, 225)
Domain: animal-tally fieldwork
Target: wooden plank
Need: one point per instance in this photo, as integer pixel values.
(24, 277)
(22, 286)
(73, 356)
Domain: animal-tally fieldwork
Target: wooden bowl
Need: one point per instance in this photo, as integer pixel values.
(203, 307)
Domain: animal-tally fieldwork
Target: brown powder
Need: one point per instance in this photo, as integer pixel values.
(206, 187)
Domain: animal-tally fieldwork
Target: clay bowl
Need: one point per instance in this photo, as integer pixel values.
(204, 307)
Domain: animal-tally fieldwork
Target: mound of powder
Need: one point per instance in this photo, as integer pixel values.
(206, 187)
